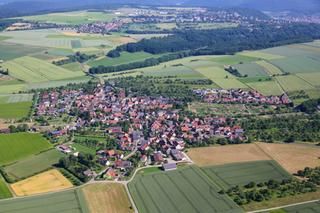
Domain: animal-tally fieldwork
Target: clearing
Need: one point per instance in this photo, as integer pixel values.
(48, 181)
(111, 198)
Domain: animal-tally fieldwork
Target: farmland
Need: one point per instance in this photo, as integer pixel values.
(184, 190)
(71, 201)
(4, 190)
(270, 68)
(292, 157)
(34, 70)
(267, 87)
(310, 207)
(111, 198)
(251, 70)
(15, 110)
(33, 164)
(11, 51)
(48, 181)
(292, 83)
(14, 147)
(241, 174)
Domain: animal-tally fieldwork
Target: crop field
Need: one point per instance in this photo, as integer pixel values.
(4, 190)
(14, 147)
(71, 201)
(292, 83)
(75, 67)
(267, 87)
(292, 50)
(251, 69)
(312, 78)
(185, 190)
(111, 198)
(12, 51)
(269, 68)
(297, 64)
(232, 59)
(34, 70)
(309, 207)
(14, 110)
(177, 71)
(125, 58)
(48, 181)
(261, 55)
(220, 155)
(33, 164)
(229, 175)
(73, 18)
(16, 98)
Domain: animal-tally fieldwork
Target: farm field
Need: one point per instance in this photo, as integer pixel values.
(111, 198)
(33, 70)
(267, 87)
(73, 18)
(269, 68)
(184, 190)
(292, 83)
(297, 64)
(48, 181)
(181, 72)
(233, 59)
(4, 190)
(292, 157)
(220, 155)
(312, 78)
(310, 207)
(125, 58)
(14, 147)
(10, 51)
(229, 175)
(83, 149)
(251, 69)
(71, 201)
(14, 110)
(33, 164)
(261, 55)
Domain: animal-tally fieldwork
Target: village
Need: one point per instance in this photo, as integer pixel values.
(151, 129)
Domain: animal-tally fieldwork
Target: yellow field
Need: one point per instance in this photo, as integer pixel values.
(48, 181)
(292, 157)
(111, 198)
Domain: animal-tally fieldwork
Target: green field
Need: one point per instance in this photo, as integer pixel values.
(312, 78)
(33, 70)
(15, 110)
(269, 68)
(83, 149)
(12, 51)
(304, 208)
(233, 59)
(33, 164)
(251, 69)
(267, 87)
(185, 190)
(297, 64)
(181, 72)
(71, 201)
(73, 18)
(125, 58)
(14, 147)
(4, 190)
(241, 174)
(261, 55)
(293, 83)
(72, 66)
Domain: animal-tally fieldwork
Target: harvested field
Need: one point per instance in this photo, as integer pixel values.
(111, 198)
(49, 181)
(227, 154)
(241, 174)
(293, 157)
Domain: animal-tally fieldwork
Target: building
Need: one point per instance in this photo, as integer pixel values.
(169, 166)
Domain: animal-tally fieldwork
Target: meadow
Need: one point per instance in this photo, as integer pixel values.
(4, 190)
(229, 175)
(33, 70)
(184, 190)
(14, 110)
(49, 181)
(14, 147)
(33, 164)
(70, 201)
(111, 197)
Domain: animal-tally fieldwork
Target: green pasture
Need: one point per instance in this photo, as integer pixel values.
(229, 175)
(33, 70)
(14, 147)
(266, 87)
(83, 149)
(233, 59)
(184, 190)
(4, 190)
(269, 68)
(12, 88)
(312, 78)
(14, 110)
(71, 201)
(175, 71)
(251, 69)
(12, 51)
(293, 83)
(73, 18)
(33, 164)
(125, 58)
(75, 67)
(297, 64)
